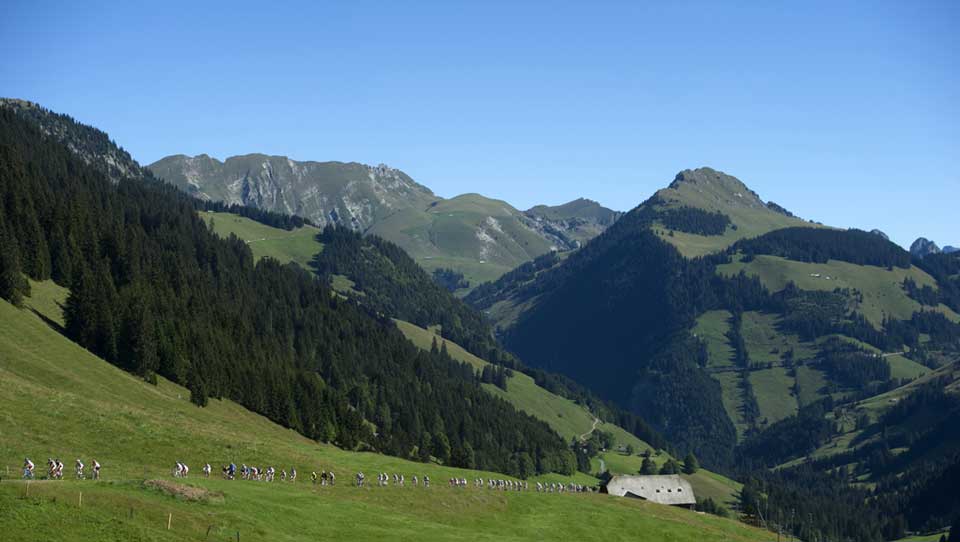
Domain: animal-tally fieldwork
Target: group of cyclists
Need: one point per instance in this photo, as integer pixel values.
(55, 469)
(181, 470)
(269, 474)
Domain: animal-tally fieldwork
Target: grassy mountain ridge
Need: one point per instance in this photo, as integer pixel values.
(639, 300)
(137, 430)
(478, 236)
(711, 190)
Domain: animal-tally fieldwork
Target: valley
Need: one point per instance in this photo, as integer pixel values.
(705, 325)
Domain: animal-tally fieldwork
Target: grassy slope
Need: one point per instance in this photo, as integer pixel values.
(882, 291)
(712, 327)
(457, 233)
(298, 246)
(59, 400)
(875, 407)
(571, 420)
(765, 344)
(751, 219)
(565, 416)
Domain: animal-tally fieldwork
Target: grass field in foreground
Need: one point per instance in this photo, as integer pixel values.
(57, 399)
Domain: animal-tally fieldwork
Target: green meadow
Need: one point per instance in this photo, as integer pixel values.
(58, 400)
(299, 245)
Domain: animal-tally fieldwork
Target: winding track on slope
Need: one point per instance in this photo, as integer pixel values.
(596, 422)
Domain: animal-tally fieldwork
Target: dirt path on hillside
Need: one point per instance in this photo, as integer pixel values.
(585, 436)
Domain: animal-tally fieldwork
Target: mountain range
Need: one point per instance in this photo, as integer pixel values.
(480, 237)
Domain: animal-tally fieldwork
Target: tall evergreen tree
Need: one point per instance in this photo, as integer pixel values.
(690, 464)
(13, 286)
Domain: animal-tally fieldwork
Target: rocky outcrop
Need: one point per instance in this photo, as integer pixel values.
(923, 246)
(572, 223)
(348, 194)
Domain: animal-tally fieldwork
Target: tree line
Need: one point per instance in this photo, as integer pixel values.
(693, 220)
(263, 216)
(817, 245)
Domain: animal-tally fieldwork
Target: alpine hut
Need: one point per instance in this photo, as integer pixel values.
(668, 489)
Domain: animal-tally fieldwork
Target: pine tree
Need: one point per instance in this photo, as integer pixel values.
(423, 449)
(469, 457)
(13, 286)
(441, 448)
(145, 347)
(648, 466)
(690, 464)
(670, 467)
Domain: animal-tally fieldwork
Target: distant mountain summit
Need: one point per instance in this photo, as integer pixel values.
(708, 190)
(923, 246)
(349, 194)
(581, 219)
(475, 235)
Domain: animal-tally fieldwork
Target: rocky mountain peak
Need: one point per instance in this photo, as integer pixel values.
(923, 246)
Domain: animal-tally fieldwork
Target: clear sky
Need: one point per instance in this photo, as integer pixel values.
(847, 113)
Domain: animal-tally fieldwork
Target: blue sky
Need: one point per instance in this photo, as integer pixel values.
(847, 113)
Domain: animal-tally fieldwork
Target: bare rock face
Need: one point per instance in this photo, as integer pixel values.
(923, 246)
(880, 233)
(347, 194)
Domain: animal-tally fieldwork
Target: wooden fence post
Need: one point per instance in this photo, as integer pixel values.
(80, 505)
(169, 519)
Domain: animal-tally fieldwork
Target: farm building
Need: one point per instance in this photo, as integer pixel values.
(663, 489)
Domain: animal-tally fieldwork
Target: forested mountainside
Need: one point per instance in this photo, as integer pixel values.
(476, 236)
(94, 147)
(717, 347)
(154, 291)
(386, 280)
